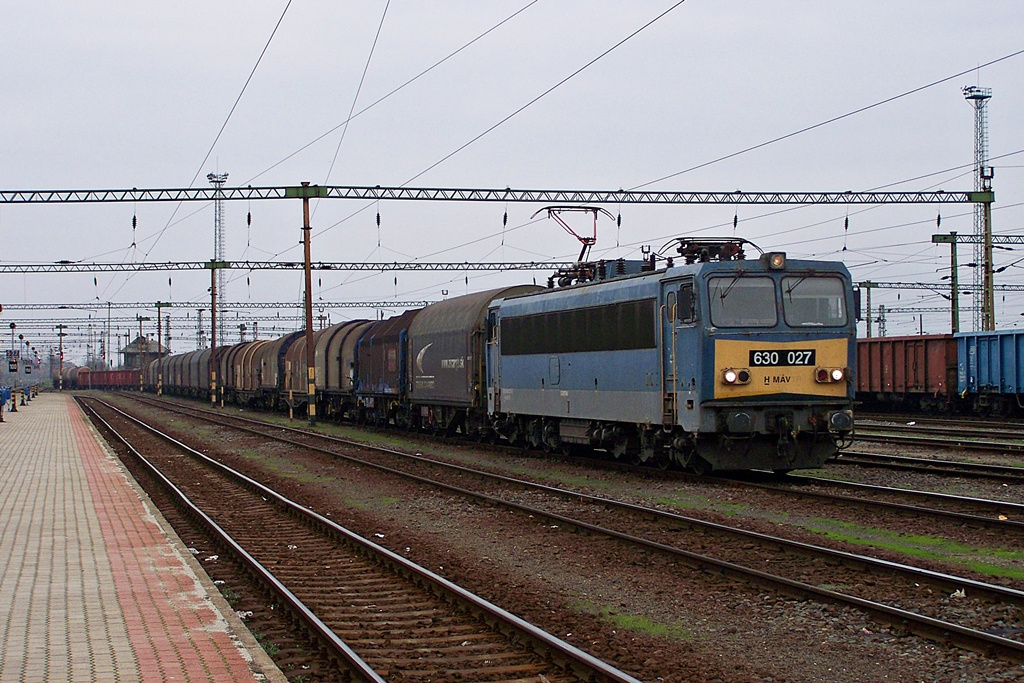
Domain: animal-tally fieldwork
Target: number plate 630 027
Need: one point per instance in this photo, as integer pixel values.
(782, 358)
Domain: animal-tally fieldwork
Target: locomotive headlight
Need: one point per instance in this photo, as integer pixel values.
(736, 376)
(826, 375)
(777, 260)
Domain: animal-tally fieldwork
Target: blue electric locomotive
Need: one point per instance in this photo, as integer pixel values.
(720, 363)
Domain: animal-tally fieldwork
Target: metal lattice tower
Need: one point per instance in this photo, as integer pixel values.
(218, 180)
(979, 97)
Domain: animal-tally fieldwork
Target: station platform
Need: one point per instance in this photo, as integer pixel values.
(94, 584)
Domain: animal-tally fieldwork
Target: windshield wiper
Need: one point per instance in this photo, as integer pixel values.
(789, 290)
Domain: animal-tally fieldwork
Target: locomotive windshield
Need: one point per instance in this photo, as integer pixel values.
(742, 301)
(813, 301)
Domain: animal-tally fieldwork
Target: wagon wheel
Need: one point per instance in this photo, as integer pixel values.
(550, 440)
(516, 438)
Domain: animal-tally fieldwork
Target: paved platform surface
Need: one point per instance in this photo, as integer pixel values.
(94, 586)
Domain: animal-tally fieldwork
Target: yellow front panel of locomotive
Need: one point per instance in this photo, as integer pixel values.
(785, 378)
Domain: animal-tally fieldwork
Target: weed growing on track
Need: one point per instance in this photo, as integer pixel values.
(636, 623)
(988, 561)
(701, 503)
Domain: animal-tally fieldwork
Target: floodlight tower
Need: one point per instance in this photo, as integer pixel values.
(984, 315)
(218, 180)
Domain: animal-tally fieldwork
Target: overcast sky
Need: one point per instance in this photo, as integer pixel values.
(129, 94)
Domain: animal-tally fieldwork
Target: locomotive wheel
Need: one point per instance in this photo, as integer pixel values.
(700, 466)
(662, 458)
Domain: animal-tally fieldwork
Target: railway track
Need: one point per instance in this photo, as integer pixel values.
(941, 611)
(974, 435)
(984, 513)
(939, 466)
(378, 615)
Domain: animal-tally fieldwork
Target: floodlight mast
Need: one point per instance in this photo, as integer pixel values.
(218, 180)
(985, 319)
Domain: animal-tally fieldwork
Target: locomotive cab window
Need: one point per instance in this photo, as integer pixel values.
(813, 301)
(687, 312)
(741, 301)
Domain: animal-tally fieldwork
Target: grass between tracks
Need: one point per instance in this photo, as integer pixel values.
(984, 560)
(635, 622)
(988, 561)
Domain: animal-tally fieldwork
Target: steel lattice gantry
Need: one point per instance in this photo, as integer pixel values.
(487, 195)
(74, 267)
(238, 306)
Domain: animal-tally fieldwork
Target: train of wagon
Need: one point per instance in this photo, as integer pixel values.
(974, 373)
(705, 359)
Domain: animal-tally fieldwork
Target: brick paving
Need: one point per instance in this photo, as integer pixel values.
(92, 588)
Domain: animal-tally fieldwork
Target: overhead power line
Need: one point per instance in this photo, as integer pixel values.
(937, 287)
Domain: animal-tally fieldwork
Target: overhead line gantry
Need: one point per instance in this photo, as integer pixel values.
(239, 306)
(507, 194)
(75, 267)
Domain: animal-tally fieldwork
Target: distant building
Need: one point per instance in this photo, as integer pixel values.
(142, 351)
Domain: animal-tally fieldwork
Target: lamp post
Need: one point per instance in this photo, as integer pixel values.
(310, 369)
(159, 355)
(12, 362)
(21, 337)
(60, 355)
(142, 359)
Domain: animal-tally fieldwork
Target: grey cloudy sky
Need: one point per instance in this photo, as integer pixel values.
(129, 94)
